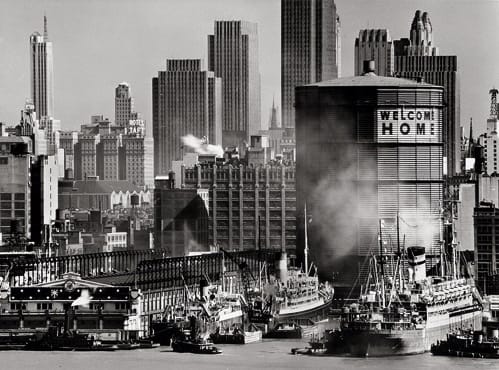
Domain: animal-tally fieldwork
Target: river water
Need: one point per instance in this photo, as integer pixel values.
(270, 354)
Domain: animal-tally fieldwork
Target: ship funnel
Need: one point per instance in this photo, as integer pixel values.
(417, 263)
(283, 267)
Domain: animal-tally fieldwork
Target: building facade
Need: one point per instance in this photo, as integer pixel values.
(249, 207)
(486, 222)
(107, 157)
(15, 186)
(233, 56)
(377, 45)
(186, 100)
(67, 142)
(310, 48)
(42, 73)
(418, 58)
(86, 156)
(180, 218)
(369, 153)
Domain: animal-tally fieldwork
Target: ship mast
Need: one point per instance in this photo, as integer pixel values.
(306, 242)
(382, 265)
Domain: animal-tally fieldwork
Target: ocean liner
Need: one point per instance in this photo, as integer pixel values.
(407, 313)
(296, 295)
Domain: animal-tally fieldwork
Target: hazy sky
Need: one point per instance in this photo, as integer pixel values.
(100, 43)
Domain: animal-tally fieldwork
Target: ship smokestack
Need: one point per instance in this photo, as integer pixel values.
(283, 267)
(417, 263)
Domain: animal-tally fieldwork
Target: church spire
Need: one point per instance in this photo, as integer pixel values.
(45, 30)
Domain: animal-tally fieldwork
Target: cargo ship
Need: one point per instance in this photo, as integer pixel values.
(407, 313)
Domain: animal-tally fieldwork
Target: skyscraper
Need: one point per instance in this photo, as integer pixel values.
(310, 48)
(123, 105)
(42, 73)
(233, 56)
(375, 45)
(420, 60)
(186, 100)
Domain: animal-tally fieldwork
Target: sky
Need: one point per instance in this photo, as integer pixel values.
(100, 43)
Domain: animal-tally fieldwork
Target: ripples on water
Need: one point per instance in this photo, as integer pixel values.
(270, 354)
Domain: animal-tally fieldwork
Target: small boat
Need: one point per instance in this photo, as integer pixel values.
(148, 344)
(128, 346)
(200, 346)
(285, 331)
(466, 344)
(237, 336)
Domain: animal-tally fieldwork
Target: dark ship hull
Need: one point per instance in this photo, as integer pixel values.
(369, 342)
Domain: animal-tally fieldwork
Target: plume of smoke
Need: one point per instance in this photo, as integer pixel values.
(83, 300)
(200, 146)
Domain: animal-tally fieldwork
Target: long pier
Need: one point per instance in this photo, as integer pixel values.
(146, 270)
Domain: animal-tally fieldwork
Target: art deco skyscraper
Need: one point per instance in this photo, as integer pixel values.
(42, 73)
(233, 56)
(310, 48)
(123, 105)
(417, 58)
(186, 100)
(374, 45)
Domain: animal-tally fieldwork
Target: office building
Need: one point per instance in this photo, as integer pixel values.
(369, 148)
(248, 206)
(186, 100)
(486, 219)
(180, 218)
(85, 151)
(420, 60)
(310, 48)
(16, 153)
(44, 197)
(67, 142)
(136, 160)
(233, 56)
(123, 105)
(375, 45)
(42, 73)
(107, 157)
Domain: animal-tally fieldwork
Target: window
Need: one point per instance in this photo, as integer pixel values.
(4, 160)
(5, 196)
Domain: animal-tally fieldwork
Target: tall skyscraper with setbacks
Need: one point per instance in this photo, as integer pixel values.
(42, 73)
(233, 56)
(310, 48)
(186, 100)
(375, 45)
(420, 59)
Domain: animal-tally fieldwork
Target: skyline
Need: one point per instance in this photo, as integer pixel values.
(136, 61)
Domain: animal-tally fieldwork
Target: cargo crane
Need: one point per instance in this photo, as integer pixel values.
(258, 308)
(246, 274)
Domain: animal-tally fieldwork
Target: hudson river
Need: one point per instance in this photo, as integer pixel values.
(266, 355)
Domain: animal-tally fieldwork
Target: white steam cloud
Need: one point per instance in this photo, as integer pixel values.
(200, 146)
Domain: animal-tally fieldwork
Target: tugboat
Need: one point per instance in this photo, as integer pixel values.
(285, 331)
(237, 336)
(192, 341)
(52, 340)
(466, 344)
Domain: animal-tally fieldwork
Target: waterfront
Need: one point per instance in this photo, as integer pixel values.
(270, 354)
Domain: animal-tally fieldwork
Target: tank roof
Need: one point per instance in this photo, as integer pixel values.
(371, 79)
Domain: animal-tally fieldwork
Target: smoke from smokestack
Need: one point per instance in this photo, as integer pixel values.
(200, 146)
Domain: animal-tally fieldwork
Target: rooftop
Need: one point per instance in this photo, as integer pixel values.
(371, 79)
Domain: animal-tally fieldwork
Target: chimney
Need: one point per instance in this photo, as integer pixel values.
(369, 67)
